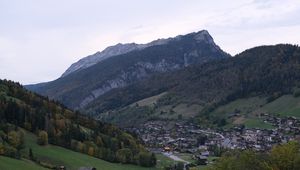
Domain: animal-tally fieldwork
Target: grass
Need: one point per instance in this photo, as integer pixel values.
(149, 101)
(7, 163)
(186, 156)
(200, 167)
(56, 155)
(257, 123)
(286, 105)
(245, 106)
(163, 161)
(188, 110)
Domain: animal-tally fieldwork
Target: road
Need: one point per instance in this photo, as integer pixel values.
(214, 133)
(176, 158)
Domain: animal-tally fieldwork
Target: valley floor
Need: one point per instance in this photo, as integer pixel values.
(251, 123)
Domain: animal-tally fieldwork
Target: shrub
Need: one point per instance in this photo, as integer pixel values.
(146, 159)
(296, 93)
(124, 155)
(42, 138)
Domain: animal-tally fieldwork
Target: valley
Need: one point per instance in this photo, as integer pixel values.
(150, 85)
(252, 123)
(155, 109)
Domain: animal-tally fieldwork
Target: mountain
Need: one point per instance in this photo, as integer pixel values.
(117, 49)
(265, 72)
(82, 87)
(23, 114)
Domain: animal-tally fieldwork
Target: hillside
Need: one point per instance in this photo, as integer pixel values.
(55, 155)
(82, 87)
(267, 71)
(57, 125)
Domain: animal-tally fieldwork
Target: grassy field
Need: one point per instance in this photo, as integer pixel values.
(72, 160)
(55, 155)
(286, 105)
(149, 101)
(163, 161)
(14, 164)
(244, 106)
(248, 108)
(188, 157)
(257, 123)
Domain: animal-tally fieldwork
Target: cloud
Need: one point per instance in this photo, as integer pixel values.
(40, 39)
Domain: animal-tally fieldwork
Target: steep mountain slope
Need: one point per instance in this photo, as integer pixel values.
(117, 49)
(55, 124)
(268, 71)
(80, 88)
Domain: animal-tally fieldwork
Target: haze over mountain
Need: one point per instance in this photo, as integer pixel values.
(96, 75)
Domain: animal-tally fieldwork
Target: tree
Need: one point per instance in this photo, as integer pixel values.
(80, 147)
(124, 155)
(179, 117)
(16, 139)
(42, 138)
(284, 157)
(153, 159)
(91, 151)
(10, 151)
(2, 151)
(179, 166)
(281, 157)
(99, 141)
(245, 160)
(13, 138)
(146, 159)
(201, 139)
(31, 154)
(114, 144)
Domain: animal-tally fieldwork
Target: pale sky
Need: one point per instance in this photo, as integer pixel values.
(40, 39)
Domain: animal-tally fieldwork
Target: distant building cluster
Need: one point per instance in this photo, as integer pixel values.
(190, 138)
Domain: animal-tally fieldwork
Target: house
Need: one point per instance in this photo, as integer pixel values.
(62, 167)
(167, 149)
(205, 153)
(87, 168)
(226, 143)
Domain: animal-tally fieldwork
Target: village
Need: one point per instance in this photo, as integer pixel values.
(204, 143)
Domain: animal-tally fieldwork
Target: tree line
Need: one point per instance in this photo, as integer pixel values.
(55, 124)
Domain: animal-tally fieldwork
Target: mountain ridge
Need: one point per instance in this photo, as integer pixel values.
(120, 48)
(80, 88)
(265, 71)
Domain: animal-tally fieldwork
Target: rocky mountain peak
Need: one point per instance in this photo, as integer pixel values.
(203, 36)
(117, 66)
(120, 48)
(90, 60)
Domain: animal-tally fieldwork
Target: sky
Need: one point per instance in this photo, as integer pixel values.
(39, 40)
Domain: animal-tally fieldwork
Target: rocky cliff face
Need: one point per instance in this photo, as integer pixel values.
(117, 49)
(100, 56)
(124, 64)
(138, 71)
